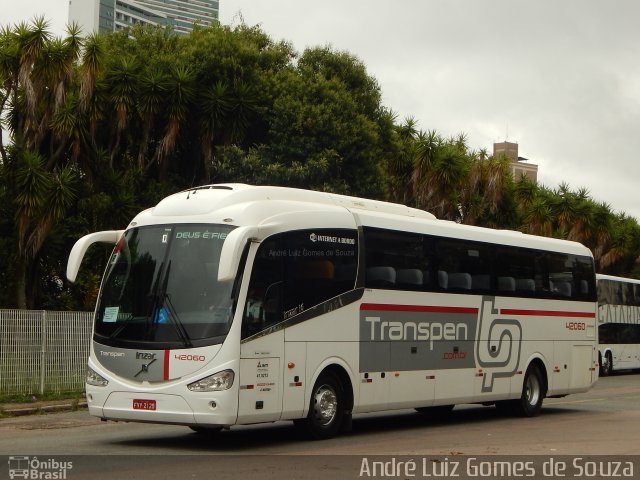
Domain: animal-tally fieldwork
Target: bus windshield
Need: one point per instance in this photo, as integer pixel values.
(161, 289)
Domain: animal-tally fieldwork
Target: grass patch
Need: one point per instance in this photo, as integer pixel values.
(36, 397)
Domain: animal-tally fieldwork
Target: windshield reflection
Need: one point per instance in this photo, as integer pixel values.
(161, 287)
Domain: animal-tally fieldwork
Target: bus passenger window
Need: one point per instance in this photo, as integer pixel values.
(295, 271)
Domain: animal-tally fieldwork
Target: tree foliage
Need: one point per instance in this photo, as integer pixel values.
(95, 129)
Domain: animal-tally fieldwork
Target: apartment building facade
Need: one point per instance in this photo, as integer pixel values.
(114, 15)
(520, 166)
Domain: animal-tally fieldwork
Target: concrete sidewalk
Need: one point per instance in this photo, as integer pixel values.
(39, 407)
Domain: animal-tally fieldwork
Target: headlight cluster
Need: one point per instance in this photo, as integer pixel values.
(213, 383)
(95, 379)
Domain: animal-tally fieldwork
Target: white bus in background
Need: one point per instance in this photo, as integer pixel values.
(618, 323)
(234, 304)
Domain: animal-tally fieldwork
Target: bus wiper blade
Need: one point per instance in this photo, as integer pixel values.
(174, 318)
(153, 293)
(172, 313)
(122, 326)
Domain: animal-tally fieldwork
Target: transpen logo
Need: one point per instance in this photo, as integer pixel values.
(416, 331)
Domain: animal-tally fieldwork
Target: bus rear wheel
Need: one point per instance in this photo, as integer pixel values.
(530, 402)
(326, 409)
(533, 391)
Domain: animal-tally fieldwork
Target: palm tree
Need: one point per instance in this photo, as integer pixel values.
(123, 84)
(422, 181)
(400, 167)
(538, 218)
(583, 220)
(91, 66)
(32, 41)
(181, 93)
(599, 233)
(42, 198)
(150, 105)
(486, 186)
(216, 103)
(36, 73)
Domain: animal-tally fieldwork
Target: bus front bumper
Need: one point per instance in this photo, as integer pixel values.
(160, 408)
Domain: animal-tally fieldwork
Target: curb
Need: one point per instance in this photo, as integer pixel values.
(39, 409)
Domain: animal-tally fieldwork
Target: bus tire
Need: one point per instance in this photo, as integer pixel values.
(533, 392)
(326, 408)
(606, 365)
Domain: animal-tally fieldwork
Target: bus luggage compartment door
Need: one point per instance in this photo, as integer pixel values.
(582, 371)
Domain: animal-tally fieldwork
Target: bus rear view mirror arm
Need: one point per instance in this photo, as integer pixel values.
(232, 251)
(81, 246)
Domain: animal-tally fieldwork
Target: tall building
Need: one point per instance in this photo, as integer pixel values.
(113, 15)
(519, 167)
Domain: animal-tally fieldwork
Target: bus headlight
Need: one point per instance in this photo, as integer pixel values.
(213, 383)
(95, 379)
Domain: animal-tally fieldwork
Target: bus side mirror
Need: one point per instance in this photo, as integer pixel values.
(232, 251)
(81, 246)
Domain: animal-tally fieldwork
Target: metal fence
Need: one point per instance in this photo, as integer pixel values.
(43, 351)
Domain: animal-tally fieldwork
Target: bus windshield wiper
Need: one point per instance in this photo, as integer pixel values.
(153, 295)
(172, 314)
(174, 318)
(122, 326)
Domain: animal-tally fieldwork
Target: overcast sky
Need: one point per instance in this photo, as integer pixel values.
(560, 78)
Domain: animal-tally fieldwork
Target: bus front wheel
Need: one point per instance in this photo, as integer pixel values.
(327, 408)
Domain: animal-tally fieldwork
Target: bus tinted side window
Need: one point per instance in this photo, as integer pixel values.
(396, 260)
(411, 261)
(584, 275)
(295, 271)
(609, 292)
(464, 266)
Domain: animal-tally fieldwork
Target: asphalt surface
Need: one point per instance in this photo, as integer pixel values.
(603, 421)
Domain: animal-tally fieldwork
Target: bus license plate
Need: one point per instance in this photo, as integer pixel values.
(144, 404)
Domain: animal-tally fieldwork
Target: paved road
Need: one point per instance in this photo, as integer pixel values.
(604, 421)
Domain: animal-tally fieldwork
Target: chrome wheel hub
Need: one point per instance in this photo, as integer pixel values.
(533, 390)
(325, 405)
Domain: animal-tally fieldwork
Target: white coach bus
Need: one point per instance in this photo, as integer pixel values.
(234, 304)
(618, 323)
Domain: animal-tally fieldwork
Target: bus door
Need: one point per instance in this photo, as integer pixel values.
(260, 395)
(294, 379)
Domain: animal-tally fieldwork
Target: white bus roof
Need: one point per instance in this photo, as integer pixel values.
(241, 204)
(210, 198)
(601, 276)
